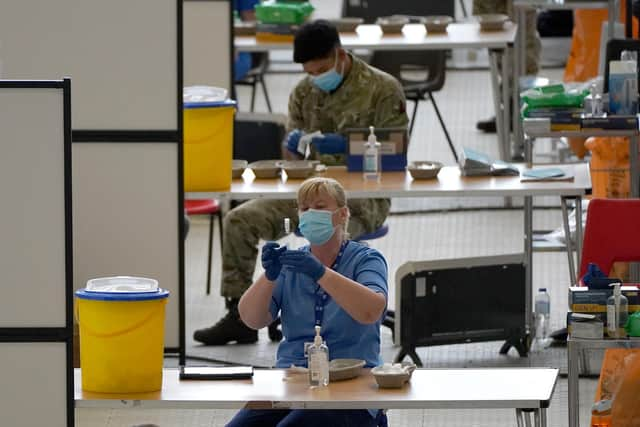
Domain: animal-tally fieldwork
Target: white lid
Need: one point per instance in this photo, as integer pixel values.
(122, 284)
(204, 94)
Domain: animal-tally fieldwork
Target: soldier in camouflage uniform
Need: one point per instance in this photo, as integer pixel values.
(363, 96)
(532, 41)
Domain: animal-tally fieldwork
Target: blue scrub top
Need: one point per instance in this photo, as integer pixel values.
(294, 298)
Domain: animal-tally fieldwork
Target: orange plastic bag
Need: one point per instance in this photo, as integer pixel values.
(620, 382)
(584, 57)
(625, 411)
(609, 167)
(610, 178)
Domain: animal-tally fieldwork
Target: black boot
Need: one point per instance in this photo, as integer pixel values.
(487, 126)
(229, 328)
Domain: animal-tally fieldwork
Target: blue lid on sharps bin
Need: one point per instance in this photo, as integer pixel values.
(122, 288)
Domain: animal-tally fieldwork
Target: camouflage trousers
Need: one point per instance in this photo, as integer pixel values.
(530, 30)
(257, 219)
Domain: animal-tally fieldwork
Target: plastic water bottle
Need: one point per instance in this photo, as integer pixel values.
(543, 314)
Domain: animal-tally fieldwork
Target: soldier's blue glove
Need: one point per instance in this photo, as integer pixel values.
(271, 252)
(293, 139)
(330, 143)
(303, 262)
(298, 141)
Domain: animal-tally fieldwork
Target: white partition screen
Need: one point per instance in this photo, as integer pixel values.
(32, 247)
(35, 375)
(120, 55)
(125, 210)
(207, 42)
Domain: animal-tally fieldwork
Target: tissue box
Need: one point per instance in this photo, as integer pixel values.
(585, 300)
(585, 326)
(393, 148)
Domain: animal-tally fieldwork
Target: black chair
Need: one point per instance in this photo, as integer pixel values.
(255, 76)
(258, 136)
(614, 49)
(420, 73)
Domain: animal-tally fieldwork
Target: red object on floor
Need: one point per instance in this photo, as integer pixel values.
(209, 207)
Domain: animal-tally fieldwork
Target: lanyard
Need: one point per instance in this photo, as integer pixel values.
(321, 296)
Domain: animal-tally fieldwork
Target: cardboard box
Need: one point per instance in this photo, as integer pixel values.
(585, 300)
(393, 148)
(610, 123)
(586, 326)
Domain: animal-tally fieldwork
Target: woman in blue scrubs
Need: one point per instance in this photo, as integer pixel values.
(336, 283)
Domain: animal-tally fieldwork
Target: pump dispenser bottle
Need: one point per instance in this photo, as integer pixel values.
(318, 354)
(371, 159)
(617, 313)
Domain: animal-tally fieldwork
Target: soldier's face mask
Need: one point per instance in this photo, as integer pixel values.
(316, 225)
(329, 80)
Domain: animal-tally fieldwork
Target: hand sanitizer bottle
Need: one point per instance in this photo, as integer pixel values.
(617, 313)
(371, 159)
(318, 355)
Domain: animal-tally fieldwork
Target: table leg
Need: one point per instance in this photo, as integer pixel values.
(519, 64)
(634, 176)
(543, 417)
(528, 252)
(573, 383)
(519, 418)
(528, 151)
(579, 235)
(613, 12)
(506, 102)
(567, 238)
(495, 86)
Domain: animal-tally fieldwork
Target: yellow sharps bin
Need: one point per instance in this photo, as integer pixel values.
(208, 145)
(121, 322)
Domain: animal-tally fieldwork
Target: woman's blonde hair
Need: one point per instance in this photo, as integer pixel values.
(312, 187)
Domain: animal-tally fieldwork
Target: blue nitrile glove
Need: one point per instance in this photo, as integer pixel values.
(330, 143)
(271, 252)
(303, 262)
(293, 139)
(596, 279)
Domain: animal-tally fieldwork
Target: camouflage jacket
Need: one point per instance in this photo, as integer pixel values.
(367, 97)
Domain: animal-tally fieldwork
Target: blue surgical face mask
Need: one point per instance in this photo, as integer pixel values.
(316, 225)
(329, 80)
